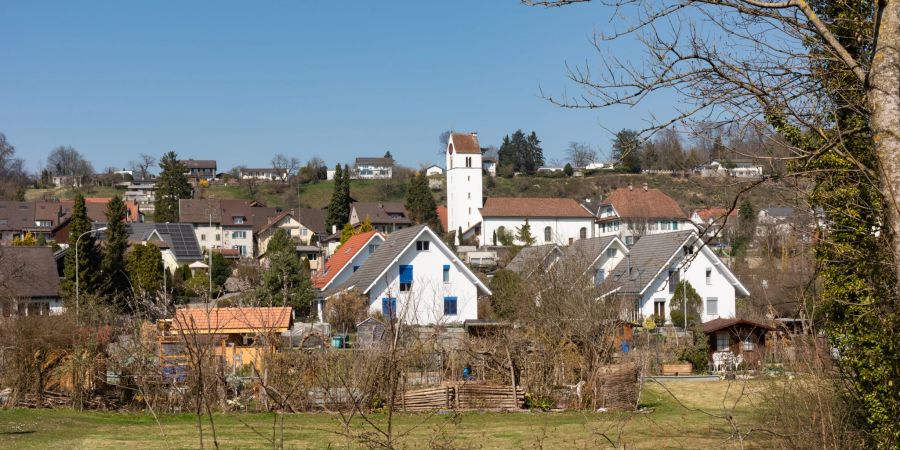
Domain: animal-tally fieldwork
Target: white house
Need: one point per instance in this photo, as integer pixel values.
(226, 224)
(434, 170)
(414, 277)
(655, 264)
(464, 191)
(630, 213)
(347, 259)
(489, 165)
(594, 258)
(558, 221)
(373, 168)
(176, 241)
(263, 173)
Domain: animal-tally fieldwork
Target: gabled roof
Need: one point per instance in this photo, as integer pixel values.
(464, 143)
(644, 203)
(782, 212)
(586, 252)
(273, 221)
(533, 207)
(198, 163)
(387, 254)
(224, 212)
(28, 272)
(529, 258)
(720, 324)
(390, 213)
(179, 237)
(715, 213)
(651, 256)
(233, 320)
(375, 161)
(343, 255)
(314, 219)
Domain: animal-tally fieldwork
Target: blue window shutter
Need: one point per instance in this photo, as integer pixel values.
(446, 273)
(450, 306)
(406, 274)
(389, 307)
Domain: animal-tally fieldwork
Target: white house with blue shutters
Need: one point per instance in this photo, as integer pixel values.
(414, 277)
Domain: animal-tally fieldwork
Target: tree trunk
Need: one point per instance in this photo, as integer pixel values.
(883, 92)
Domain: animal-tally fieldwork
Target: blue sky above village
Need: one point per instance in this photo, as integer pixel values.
(239, 82)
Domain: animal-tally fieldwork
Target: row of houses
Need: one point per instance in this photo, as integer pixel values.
(363, 168)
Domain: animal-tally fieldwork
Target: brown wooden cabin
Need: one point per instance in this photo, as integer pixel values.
(739, 336)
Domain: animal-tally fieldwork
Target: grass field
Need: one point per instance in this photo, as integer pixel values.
(683, 423)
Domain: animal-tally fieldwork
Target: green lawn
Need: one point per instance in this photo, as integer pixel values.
(669, 424)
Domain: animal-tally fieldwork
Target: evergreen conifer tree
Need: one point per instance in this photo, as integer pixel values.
(421, 204)
(116, 283)
(338, 211)
(145, 269)
(524, 234)
(171, 186)
(626, 151)
(88, 256)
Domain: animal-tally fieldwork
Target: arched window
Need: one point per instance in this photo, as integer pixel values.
(582, 234)
(547, 234)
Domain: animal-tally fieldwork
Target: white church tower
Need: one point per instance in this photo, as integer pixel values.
(463, 181)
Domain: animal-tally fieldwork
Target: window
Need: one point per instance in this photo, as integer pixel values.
(202, 237)
(747, 343)
(446, 273)
(723, 341)
(664, 225)
(355, 268)
(406, 278)
(600, 276)
(238, 234)
(372, 248)
(218, 237)
(674, 224)
(582, 233)
(629, 240)
(4, 221)
(708, 276)
(659, 308)
(470, 195)
(468, 161)
(712, 306)
(673, 280)
(303, 231)
(242, 249)
(611, 252)
(653, 226)
(548, 232)
(42, 223)
(389, 307)
(423, 246)
(449, 306)
(239, 220)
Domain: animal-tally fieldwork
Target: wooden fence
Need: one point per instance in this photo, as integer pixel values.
(466, 396)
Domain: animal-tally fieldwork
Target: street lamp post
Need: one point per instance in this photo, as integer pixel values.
(77, 271)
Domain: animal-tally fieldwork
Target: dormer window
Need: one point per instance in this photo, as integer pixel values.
(239, 220)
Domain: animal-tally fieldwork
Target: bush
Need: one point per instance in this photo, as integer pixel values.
(344, 311)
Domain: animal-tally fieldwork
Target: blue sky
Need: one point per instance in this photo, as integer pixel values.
(241, 81)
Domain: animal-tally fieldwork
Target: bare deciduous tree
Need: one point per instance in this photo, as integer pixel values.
(580, 154)
(286, 167)
(141, 166)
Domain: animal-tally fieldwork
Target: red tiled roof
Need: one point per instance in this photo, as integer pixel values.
(232, 320)
(466, 143)
(442, 215)
(342, 257)
(644, 204)
(715, 213)
(533, 207)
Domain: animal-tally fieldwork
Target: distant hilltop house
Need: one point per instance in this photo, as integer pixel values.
(385, 217)
(265, 173)
(200, 169)
(142, 192)
(367, 168)
(630, 213)
(737, 169)
(433, 170)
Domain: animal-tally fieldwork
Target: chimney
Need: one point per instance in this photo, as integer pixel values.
(475, 133)
(646, 187)
(630, 186)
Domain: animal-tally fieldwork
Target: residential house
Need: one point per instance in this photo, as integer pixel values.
(50, 219)
(312, 225)
(239, 337)
(710, 221)
(735, 341)
(346, 260)
(713, 169)
(537, 257)
(656, 263)
(780, 220)
(29, 282)
(176, 241)
(434, 170)
(286, 221)
(592, 257)
(200, 169)
(265, 173)
(414, 277)
(745, 169)
(373, 168)
(226, 224)
(142, 192)
(552, 220)
(386, 217)
(630, 213)
(489, 165)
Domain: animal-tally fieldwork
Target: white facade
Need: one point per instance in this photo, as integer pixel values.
(706, 273)
(355, 262)
(464, 191)
(489, 166)
(427, 298)
(269, 174)
(230, 237)
(610, 224)
(434, 170)
(545, 230)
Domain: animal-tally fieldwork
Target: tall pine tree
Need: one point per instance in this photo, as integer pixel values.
(88, 256)
(171, 186)
(533, 157)
(626, 151)
(339, 208)
(115, 284)
(420, 203)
